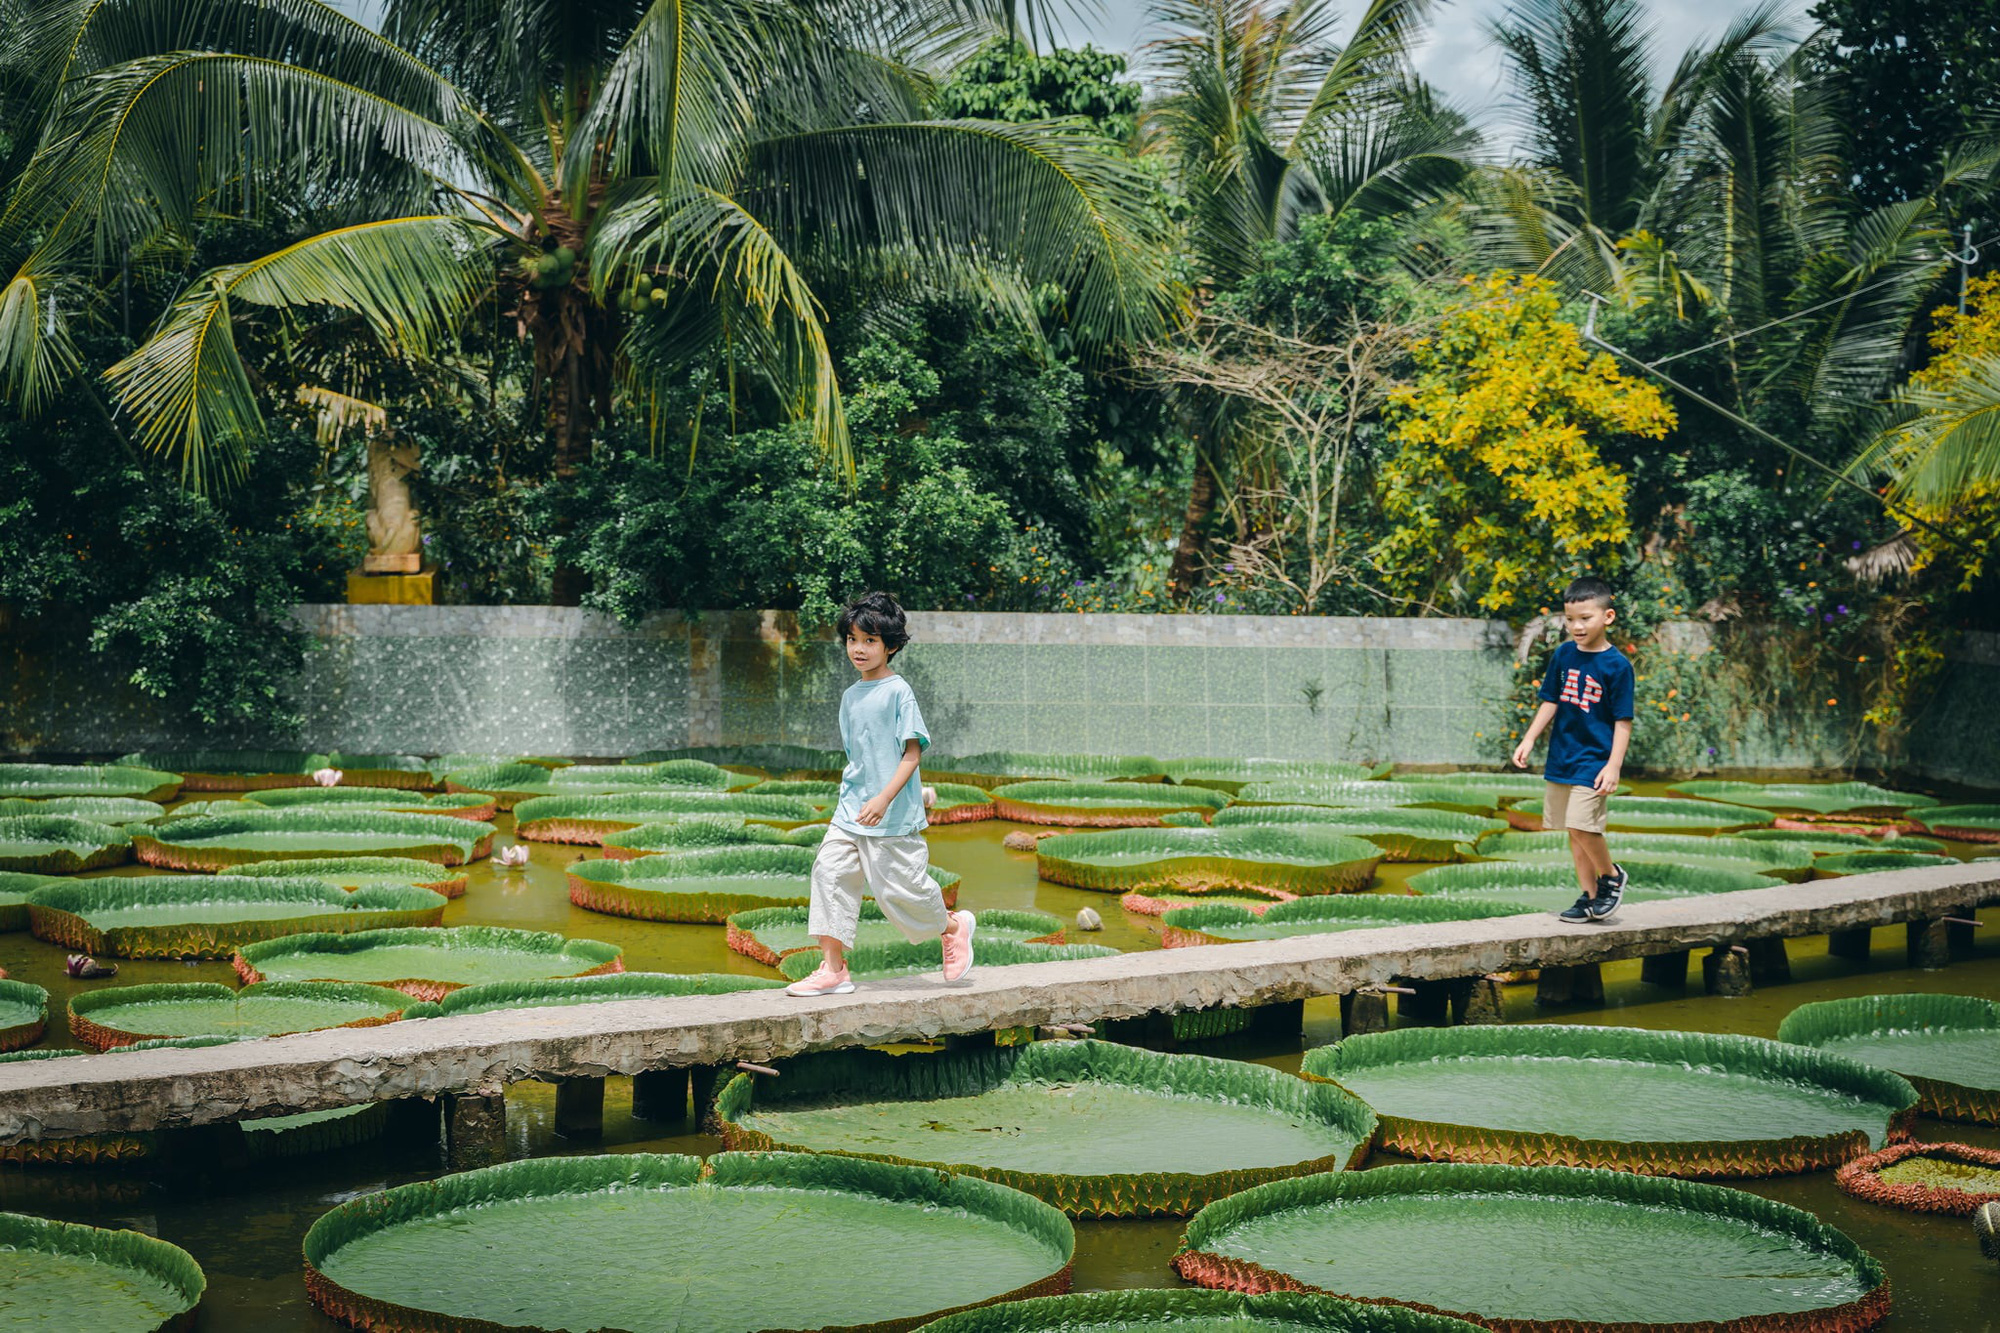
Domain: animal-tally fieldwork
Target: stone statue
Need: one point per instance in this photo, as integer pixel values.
(395, 543)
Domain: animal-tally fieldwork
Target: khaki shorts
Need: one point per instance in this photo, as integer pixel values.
(1579, 808)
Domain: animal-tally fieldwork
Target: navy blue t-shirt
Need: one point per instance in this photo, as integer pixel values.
(1591, 691)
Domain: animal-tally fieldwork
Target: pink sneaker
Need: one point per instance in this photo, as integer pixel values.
(825, 981)
(958, 949)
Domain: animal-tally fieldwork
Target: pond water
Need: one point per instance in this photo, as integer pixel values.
(246, 1233)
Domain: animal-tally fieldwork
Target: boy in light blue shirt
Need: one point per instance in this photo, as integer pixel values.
(876, 842)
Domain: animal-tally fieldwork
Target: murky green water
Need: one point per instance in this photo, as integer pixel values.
(246, 1231)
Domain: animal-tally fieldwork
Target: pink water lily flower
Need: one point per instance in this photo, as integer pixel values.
(930, 797)
(517, 855)
(327, 777)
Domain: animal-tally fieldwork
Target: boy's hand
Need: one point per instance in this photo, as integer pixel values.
(1522, 751)
(872, 811)
(1607, 779)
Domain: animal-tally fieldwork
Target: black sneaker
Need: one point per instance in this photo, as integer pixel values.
(1610, 893)
(1578, 910)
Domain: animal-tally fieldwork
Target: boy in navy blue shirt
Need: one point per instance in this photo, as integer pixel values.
(1587, 694)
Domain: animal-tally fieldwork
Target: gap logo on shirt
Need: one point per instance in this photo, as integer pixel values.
(1581, 690)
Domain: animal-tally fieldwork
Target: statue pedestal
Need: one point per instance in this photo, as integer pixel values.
(413, 563)
(366, 589)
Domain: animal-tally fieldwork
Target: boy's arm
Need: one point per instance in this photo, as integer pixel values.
(1535, 728)
(1621, 737)
(877, 805)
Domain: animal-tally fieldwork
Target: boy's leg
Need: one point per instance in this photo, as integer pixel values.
(1555, 815)
(898, 871)
(1592, 856)
(838, 883)
(1587, 815)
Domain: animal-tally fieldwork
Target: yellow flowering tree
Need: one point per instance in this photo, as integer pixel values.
(1497, 487)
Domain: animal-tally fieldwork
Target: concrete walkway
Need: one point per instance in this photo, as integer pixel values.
(481, 1054)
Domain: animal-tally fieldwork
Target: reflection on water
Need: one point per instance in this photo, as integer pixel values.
(245, 1229)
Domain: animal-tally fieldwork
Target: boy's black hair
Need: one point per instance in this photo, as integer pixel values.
(1588, 589)
(875, 613)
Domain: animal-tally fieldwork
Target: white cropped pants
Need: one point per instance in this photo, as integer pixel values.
(896, 870)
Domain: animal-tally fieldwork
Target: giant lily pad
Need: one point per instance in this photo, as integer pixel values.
(903, 959)
(201, 916)
(1869, 863)
(1825, 798)
(255, 770)
(41, 782)
(772, 759)
(1666, 1103)
(1100, 804)
(823, 794)
(1252, 900)
(121, 1015)
(308, 1132)
(1097, 1129)
(1823, 842)
(1197, 1311)
(691, 832)
(1700, 1257)
(1374, 795)
(361, 872)
(15, 888)
(959, 803)
(1298, 859)
(1219, 923)
(459, 805)
(656, 1244)
(1505, 786)
(24, 1014)
(1019, 766)
(499, 996)
(112, 810)
(1232, 775)
(1695, 851)
(586, 819)
(61, 1277)
(1549, 886)
(1402, 833)
(704, 886)
(1640, 814)
(1948, 1046)
(768, 934)
(1967, 823)
(428, 964)
(56, 845)
(1953, 1178)
(511, 784)
(218, 842)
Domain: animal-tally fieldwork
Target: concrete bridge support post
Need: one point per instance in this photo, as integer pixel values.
(1770, 965)
(1850, 943)
(1665, 969)
(660, 1094)
(1478, 1001)
(1725, 971)
(580, 1108)
(1363, 1011)
(1929, 943)
(1581, 984)
(1430, 1005)
(704, 1082)
(475, 1127)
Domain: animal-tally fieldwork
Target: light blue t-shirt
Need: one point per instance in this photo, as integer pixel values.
(877, 717)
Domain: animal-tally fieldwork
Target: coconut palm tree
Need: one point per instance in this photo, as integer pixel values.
(1269, 119)
(640, 185)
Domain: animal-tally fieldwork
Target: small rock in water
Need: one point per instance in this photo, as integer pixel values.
(1088, 919)
(1020, 840)
(1987, 1223)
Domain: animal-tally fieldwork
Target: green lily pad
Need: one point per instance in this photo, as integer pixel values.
(703, 886)
(1824, 798)
(690, 832)
(1721, 852)
(1714, 1257)
(768, 934)
(253, 770)
(1867, 863)
(15, 888)
(56, 845)
(204, 916)
(1639, 814)
(1967, 823)
(1195, 1311)
(1402, 833)
(1550, 886)
(61, 1277)
(1097, 1129)
(42, 782)
(959, 803)
(362, 872)
(903, 959)
(1022, 766)
(1946, 1045)
(587, 819)
(460, 805)
(428, 964)
(311, 1132)
(218, 842)
(1374, 795)
(1297, 858)
(24, 1014)
(1665, 1103)
(654, 1244)
(113, 810)
(121, 1015)
(1222, 924)
(1100, 804)
(1232, 775)
(1832, 844)
(499, 996)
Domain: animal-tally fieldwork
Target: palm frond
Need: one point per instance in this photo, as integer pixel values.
(409, 279)
(1389, 157)
(38, 354)
(1370, 67)
(1946, 443)
(1042, 200)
